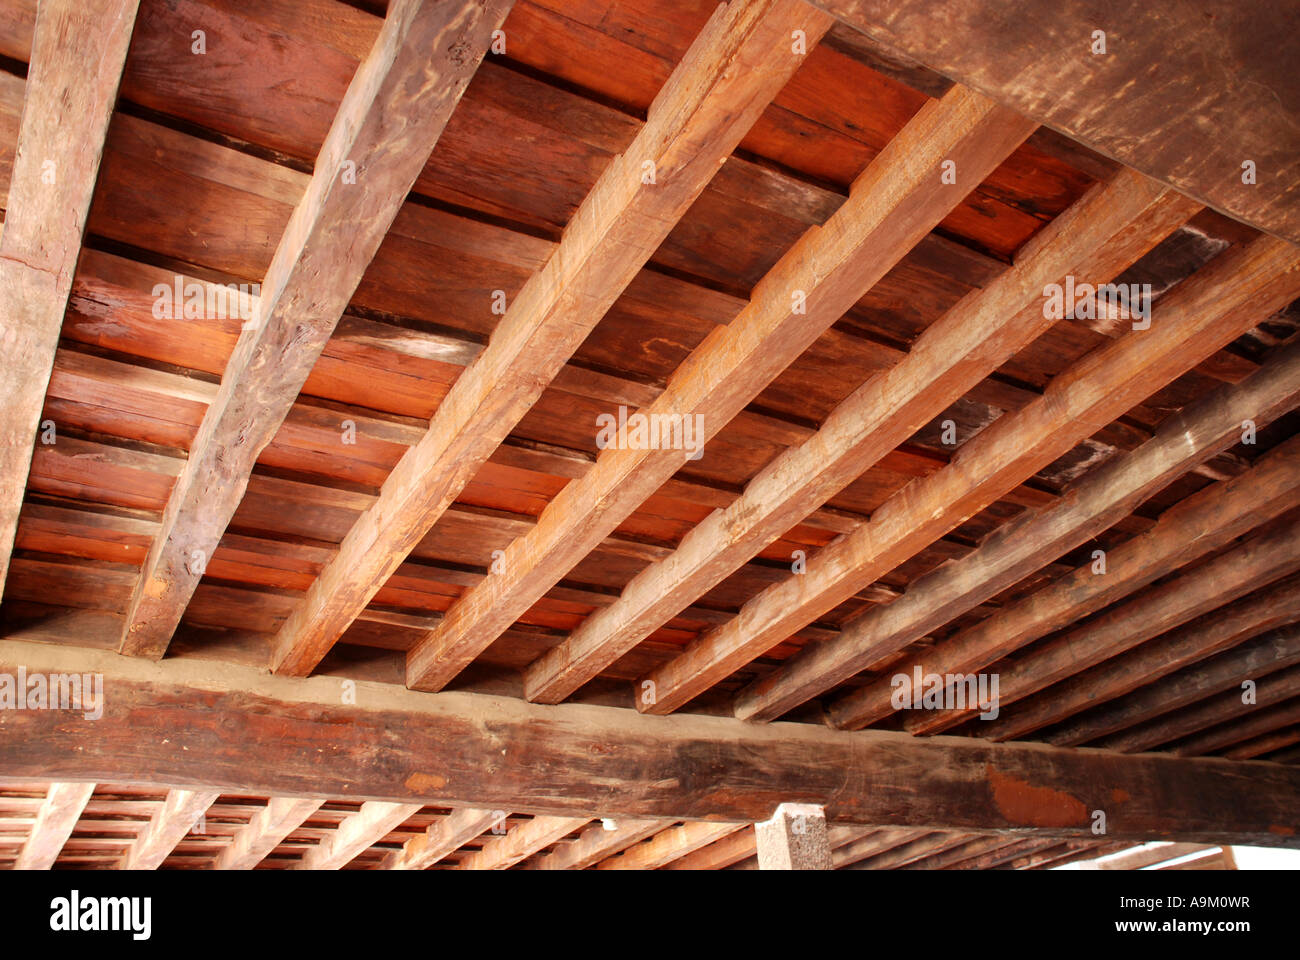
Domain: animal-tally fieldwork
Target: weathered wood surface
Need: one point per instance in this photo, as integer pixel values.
(77, 55)
(190, 722)
(55, 822)
(1147, 101)
(391, 117)
(363, 829)
(265, 831)
(178, 815)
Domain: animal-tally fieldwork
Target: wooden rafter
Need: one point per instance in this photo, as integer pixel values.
(596, 843)
(953, 355)
(265, 831)
(738, 62)
(669, 845)
(178, 815)
(394, 111)
(374, 821)
(523, 840)
(442, 837)
(78, 52)
(55, 822)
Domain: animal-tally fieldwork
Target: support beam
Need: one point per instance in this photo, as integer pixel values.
(1260, 560)
(523, 840)
(55, 822)
(1138, 859)
(891, 206)
(78, 50)
(441, 838)
(1108, 494)
(670, 845)
(1135, 671)
(1237, 290)
(870, 844)
(169, 825)
(1156, 658)
(188, 721)
(265, 831)
(913, 847)
(739, 61)
(596, 843)
(1111, 227)
(374, 821)
(720, 854)
(391, 117)
(1143, 100)
(794, 839)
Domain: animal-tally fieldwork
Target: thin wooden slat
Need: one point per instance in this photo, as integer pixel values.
(374, 821)
(55, 822)
(1102, 498)
(669, 845)
(78, 52)
(595, 843)
(950, 358)
(168, 826)
(265, 831)
(390, 119)
(735, 66)
(442, 837)
(523, 840)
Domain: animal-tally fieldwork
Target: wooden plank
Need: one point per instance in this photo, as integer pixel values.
(55, 822)
(1101, 499)
(1206, 521)
(892, 205)
(265, 831)
(1232, 294)
(1146, 858)
(735, 66)
(669, 845)
(168, 826)
(904, 847)
(596, 843)
(390, 119)
(523, 840)
(442, 837)
(719, 854)
(188, 721)
(951, 357)
(1144, 102)
(78, 52)
(363, 829)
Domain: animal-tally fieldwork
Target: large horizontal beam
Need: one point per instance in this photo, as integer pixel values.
(193, 723)
(1185, 93)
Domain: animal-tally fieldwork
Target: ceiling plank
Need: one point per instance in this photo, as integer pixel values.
(391, 117)
(55, 822)
(1110, 228)
(170, 824)
(1102, 498)
(191, 721)
(523, 840)
(1143, 101)
(596, 843)
(1237, 290)
(78, 51)
(265, 831)
(442, 837)
(363, 829)
(669, 845)
(738, 62)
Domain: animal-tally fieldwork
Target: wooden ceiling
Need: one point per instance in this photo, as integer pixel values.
(480, 226)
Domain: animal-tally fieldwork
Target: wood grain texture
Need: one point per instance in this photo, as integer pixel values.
(1144, 101)
(363, 829)
(265, 831)
(736, 65)
(77, 56)
(390, 119)
(442, 837)
(523, 840)
(55, 822)
(250, 733)
(178, 815)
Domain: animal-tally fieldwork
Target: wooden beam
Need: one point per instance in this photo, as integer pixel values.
(523, 840)
(1145, 101)
(739, 61)
(1102, 498)
(720, 854)
(907, 847)
(1262, 559)
(390, 119)
(363, 829)
(78, 50)
(55, 822)
(597, 843)
(1237, 290)
(169, 826)
(1139, 667)
(1138, 859)
(891, 206)
(265, 831)
(1159, 659)
(442, 837)
(951, 357)
(188, 721)
(669, 845)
